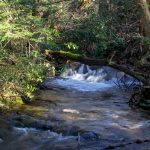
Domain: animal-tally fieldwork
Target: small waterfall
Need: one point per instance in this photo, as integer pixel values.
(89, 70)
(81, 69)
(85, 73)
(89, 78)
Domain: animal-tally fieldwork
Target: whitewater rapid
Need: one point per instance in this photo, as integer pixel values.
(88, 78)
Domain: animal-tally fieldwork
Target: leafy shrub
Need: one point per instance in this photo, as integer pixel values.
(20, 74)
(23, 32)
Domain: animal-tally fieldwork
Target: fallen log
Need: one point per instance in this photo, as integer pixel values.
(130, 72)
(74, 57)
(63, 55)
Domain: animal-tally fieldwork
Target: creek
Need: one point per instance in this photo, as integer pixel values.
(83, 109)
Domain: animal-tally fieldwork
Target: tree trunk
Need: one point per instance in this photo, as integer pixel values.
(62, 55)
(145, 15)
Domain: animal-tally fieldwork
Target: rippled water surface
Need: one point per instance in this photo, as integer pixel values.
(77, 113)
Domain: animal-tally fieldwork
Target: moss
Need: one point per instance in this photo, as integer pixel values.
(64, 54)
(141, 78)
(10, 103)
(71, 55)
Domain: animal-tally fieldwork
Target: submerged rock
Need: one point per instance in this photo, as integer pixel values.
(90, 136)
(74, 65)
(27, 121)
(5, 129)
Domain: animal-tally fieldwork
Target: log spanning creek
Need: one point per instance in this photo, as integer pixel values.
(86, 108)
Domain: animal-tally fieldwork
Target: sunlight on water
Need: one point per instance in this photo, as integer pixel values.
(82, 85)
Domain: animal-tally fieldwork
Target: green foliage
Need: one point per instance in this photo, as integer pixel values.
(23, 32)
(19, 23)
(20, 73)
(71, 46)
(146, 41)
(92, 38)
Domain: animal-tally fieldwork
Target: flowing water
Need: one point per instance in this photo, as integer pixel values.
(83, 110)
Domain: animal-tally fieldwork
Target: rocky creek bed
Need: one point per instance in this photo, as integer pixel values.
(64, 119)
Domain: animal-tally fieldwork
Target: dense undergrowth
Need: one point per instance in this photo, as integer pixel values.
(22, 64)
